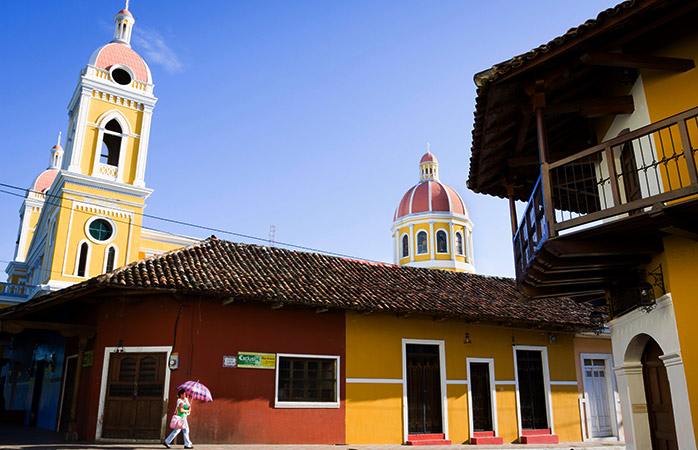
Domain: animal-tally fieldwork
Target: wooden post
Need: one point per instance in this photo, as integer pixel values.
(512, 210)
(538, 99)
(688, 151)
(76, 386)
(613, 176)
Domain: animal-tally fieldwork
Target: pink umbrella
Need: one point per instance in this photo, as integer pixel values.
(196, 390)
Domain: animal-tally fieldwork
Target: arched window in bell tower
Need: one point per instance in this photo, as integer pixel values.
(405, 246)
(111, 143)
(83, 259)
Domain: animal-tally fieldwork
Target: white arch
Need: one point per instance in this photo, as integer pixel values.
(106, 257)
(416, 243)
(629, 335)
(402, 237)
(461, 251)
(436, 240)
(87, 259)
(104, 119)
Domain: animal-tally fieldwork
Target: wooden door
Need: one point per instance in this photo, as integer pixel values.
(481, 396)
(597, 388)
(423, 389)
(134, 399)
(658, 395)
(534, 415)
(631, 180)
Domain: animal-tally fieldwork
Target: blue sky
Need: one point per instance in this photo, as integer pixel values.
(307, 115)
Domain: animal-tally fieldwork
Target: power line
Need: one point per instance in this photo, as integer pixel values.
(180, 222)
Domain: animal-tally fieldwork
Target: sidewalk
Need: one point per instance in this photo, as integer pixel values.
(16, 437)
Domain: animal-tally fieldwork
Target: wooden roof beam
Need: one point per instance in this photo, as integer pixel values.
(629, 61)
(595, 107)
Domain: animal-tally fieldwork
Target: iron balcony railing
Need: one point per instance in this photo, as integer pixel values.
(617, 178)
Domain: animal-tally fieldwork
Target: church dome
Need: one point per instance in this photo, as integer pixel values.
(431, 226)
(430, 194)
(116, 53)
(44, 181)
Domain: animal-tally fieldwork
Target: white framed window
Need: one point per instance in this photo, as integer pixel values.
(405, 246)
(110, 257)
(306, 381)
(100, 229)
(441, 241)
(422, 242)
(82, 260)
(459, 243)
(110, 151)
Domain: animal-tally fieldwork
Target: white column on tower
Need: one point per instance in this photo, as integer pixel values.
(81, 126)
(414, 243)
(432, 248)
(143, 146)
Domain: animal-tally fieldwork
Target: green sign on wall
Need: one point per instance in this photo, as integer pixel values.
(254, 360)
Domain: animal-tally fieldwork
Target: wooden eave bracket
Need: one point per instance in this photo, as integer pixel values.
(638, 61)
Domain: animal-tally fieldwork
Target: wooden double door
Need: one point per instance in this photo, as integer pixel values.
(134, 404)
(424, 395)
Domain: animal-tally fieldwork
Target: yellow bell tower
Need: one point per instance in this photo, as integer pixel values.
(82, 216)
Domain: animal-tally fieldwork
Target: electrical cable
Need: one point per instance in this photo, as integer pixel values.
(183, 223)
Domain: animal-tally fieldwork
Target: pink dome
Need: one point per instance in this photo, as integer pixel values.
(125, 11)
(428, 157)
(57, 147)
(44, 181)
(116, 53)
(431, 196)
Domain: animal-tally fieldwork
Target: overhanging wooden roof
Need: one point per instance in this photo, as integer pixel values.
(577, 71)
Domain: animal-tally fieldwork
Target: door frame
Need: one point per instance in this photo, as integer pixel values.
(105, 378)
(493, 394)
(65, 380)
(611, 388)
(442, 369)
(546, 382)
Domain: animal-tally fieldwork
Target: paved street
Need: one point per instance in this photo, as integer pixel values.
(27, 438)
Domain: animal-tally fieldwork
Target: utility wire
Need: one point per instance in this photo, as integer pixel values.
(180, 222)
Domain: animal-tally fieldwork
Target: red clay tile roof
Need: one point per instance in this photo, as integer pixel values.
(268, 274)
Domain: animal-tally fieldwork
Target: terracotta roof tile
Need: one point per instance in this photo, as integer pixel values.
(271, 274)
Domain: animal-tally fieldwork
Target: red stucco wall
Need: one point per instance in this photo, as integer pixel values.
(243, 410)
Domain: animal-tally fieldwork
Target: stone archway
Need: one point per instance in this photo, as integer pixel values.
(658, 398)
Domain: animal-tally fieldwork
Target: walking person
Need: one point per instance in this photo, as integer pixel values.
(182, 410)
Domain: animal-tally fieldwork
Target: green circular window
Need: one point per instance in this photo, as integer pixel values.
(101, 230)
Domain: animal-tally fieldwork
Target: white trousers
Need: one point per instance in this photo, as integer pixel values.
(185, 433)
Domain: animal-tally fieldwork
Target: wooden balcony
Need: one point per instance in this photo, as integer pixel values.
(596, 215)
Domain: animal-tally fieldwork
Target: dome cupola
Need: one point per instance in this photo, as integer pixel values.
(431, 225)
(123, 26)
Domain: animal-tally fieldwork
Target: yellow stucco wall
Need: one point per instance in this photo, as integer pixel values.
(667, 94)
(679, 262)
(374, 351)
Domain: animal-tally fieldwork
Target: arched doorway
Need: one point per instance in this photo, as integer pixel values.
(658, 395)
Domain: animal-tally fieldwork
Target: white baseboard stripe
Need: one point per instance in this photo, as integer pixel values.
(375, 380)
